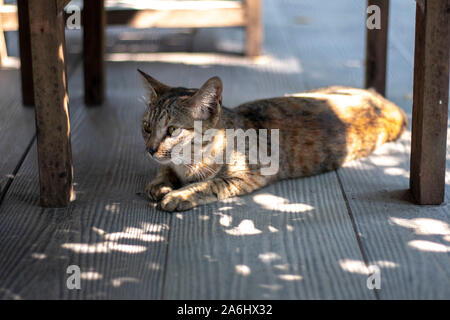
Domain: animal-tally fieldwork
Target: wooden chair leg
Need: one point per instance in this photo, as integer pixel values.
(430, 106)
(93, 51)
(254, 27)
(3, 52)
(52, 103)
(26, 69)
(376, 50)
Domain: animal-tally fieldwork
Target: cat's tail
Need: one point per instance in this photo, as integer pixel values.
(394, 119)
(378, 121)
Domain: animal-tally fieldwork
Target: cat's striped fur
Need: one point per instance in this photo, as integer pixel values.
(319, 131)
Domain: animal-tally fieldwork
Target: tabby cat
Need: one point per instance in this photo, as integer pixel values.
(318, 131)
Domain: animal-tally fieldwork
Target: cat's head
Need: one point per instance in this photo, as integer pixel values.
(171, 112)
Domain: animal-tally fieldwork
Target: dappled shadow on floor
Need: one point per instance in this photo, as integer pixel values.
(294, 239)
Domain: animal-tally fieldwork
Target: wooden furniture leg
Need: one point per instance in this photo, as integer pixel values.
(26, 69)
(376, 49)
(51, 102)
(430, 105)
(93, 51)
(3, 51)
(254, 27)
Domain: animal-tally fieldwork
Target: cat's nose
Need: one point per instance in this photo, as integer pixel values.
(151, 150)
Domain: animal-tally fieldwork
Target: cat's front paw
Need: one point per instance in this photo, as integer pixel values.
(177, 201)
(156, 190)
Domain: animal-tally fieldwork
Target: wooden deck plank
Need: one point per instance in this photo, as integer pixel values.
(16, 124)
(116, 238)
(286, 241)
(394, 229)
(306, 248)
(407, 242)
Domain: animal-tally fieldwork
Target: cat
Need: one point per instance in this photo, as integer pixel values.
(318, 131)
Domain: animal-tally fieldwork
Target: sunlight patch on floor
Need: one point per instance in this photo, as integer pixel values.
(273, 287)
(269, 257)
(272, 202)
(430, 246)
(396, 171)
(130, 233)
(290, 277)
(225, 220)
(287, 66)
(245, 228)
(423, 226)
(104, 247)
(91, 275)
(117, 282)
(354, 266)
(38, 256)
(242, 269)
(359, 266)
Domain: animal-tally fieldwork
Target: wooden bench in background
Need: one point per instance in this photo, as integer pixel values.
(156, 13)
(43, 69)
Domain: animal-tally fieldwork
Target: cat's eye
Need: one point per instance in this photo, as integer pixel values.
(173, 131)
(146, 127)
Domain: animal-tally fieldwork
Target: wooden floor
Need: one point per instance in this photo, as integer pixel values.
(312, 238)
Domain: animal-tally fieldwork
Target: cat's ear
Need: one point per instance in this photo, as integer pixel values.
(207, 101)
(153, 86)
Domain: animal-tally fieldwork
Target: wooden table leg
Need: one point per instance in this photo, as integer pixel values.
(52, 103)
(25, 53)
(3, 52)
(93, 51)
(254, 27)
(376, 49)
(430, 106)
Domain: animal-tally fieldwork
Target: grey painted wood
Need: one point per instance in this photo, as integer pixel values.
(286, 241)
(110, 231)
(17, 126)
(306, 247)
(409, 243)
(414, 239)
